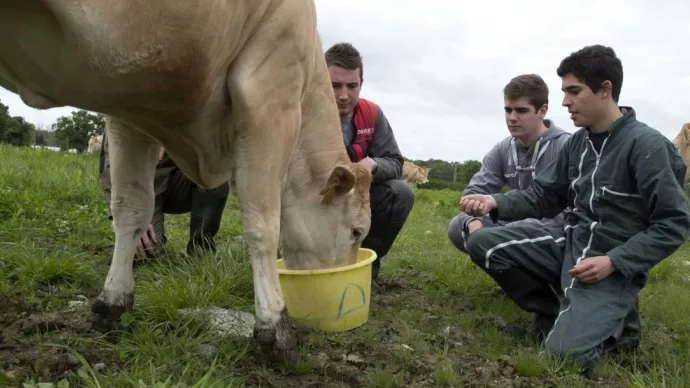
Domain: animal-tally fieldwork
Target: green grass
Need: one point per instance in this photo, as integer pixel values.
(438, 326)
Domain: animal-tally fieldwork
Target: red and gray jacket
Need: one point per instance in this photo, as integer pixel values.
(368, 134)
(366, 113)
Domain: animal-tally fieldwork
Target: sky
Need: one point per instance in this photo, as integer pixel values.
(437, 68)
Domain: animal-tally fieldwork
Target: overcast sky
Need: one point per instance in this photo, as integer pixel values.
(437, 68)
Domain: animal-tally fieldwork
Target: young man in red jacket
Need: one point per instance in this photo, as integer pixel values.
(370, 141)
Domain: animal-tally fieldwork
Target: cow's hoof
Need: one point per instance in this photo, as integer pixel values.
(107, 315)
(280, 337)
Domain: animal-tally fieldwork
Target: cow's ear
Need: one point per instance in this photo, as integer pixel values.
(341, 181)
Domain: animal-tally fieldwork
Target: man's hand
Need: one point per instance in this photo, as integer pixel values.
(477, 205)
(474, 225)
(593, 269)
(369, 163)
(146, 241)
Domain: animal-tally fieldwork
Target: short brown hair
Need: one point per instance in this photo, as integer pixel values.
(531, 86)
(345, 55)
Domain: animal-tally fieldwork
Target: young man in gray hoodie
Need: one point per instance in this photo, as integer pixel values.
(533, 143)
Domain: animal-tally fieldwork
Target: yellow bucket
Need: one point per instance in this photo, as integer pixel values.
(333, 299)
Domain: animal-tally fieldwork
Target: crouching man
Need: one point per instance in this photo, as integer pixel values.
(369, 140)
(532, 144)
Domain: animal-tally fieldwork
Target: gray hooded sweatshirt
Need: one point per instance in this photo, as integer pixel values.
(510, 164)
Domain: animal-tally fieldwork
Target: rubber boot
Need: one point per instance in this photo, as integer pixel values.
(205, 218)
(628, 339)
(375, 268)
(632, 329)
(537, 330)
(380, 241)
(532, 295)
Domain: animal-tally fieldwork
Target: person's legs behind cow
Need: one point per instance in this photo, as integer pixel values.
(174, 193)
(391, 204)
(205, 208)
(205, 217)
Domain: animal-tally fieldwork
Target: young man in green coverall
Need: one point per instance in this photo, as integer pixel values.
(624, 182)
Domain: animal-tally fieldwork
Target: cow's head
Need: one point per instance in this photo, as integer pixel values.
(682, 143)
(682, 140)
(327, 231)
(422, 175)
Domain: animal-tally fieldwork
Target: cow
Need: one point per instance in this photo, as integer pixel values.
(414, 174)
(682, 143)
(234, 90)
(95, 144)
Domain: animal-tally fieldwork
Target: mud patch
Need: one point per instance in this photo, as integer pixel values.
(26, 338)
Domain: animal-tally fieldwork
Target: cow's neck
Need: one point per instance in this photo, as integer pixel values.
(314, 160)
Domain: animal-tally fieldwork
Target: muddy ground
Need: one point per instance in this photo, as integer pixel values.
(26, 338)
(351, 359)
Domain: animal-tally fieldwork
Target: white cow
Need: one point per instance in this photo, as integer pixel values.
(230, 88)
(682, 143)
(95, 144)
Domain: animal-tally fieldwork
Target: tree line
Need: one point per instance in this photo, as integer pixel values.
(75, 130)
(68, 132)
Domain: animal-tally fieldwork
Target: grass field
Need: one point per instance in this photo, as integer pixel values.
(437, 323)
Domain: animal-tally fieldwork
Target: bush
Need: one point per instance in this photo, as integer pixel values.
(437, 184)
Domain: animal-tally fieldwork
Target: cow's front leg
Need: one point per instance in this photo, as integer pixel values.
(263, 152)
(133, 158)
(266, 87)
(261, 164)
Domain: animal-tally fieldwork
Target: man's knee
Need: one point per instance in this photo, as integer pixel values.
(391, 203)
(392, 200)
(404, 196)
(479, 242)
(456, 234)
(222, 191)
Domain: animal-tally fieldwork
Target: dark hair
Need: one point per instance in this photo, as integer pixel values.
(592, 65)
(531, 86)
(345, 55)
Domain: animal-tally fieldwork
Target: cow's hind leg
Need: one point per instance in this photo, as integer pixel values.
(133, 159)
